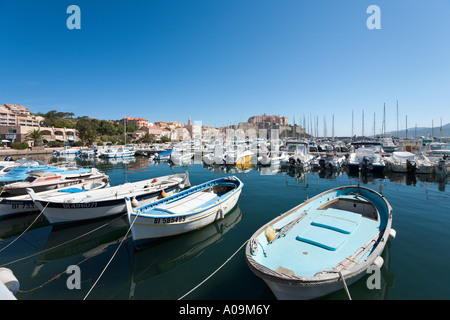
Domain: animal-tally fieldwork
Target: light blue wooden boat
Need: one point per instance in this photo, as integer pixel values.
(322, 245)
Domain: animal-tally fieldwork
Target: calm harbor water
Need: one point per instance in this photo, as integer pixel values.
(416, 265)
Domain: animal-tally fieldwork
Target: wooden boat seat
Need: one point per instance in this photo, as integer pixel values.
(187, 204)
(337, 220)
(322, 237)
(330, 228)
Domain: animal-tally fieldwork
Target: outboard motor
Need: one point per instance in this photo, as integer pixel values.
(411, 166)
(292, 161)
(365, 164)
(322, 163)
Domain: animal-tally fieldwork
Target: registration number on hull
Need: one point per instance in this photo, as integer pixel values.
(169, 220)
(80, 205)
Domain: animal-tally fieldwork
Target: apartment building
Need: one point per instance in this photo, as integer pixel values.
(16, 122)
(139, 122)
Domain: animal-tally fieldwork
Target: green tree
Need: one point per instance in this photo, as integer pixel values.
(131, 127)
(165, 139)
(148, 138)
(88, 130)
(107, 128)
(34, 135)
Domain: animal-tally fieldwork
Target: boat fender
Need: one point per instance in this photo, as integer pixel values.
(392, 234)
(378, 262)
(270, 233)
(163, 194)
(134, 202)
(154, 180)
(9, 280)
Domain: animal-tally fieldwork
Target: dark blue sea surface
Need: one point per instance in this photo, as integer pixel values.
(416, 264)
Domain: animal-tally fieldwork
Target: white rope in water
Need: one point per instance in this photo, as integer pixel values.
(207, 278)
(110, 260)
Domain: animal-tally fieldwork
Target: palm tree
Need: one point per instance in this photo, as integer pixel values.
(148, 138)
(35, 135)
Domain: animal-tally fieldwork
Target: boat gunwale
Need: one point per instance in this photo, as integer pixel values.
(119, 196)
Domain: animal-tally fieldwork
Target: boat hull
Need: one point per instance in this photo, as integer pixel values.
(149, 223)
(61, 213)
(145, 229)
(13, 207)
(309, 290)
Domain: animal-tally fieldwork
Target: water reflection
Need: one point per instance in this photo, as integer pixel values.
(167, 254)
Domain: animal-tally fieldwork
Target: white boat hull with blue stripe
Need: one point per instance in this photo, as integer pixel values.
(322, 245)
(186, 211)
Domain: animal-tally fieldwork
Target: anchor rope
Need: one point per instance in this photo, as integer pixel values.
(112, 257)
(345, 285)
(208, 277)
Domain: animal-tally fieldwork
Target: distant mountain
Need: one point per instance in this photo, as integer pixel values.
(422, 131)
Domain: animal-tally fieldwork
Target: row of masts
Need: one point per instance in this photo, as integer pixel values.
(311, 126)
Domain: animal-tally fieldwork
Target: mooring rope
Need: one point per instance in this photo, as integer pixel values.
(111, 259)
(345, 285)
(207, 278)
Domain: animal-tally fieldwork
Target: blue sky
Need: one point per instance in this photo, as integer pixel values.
(222, 61)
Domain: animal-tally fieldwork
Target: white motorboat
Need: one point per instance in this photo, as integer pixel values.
(330, 161)
(366, 158)
(67, 151)
(110, 201)
(180, 157)
(402, 161)
(120, 152)
(40, 180)
(301, 158)
(388, 145)
(273, 158)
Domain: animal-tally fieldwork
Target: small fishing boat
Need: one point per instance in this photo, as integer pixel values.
(16, 205)
(186, 211)
(106, 202)
(323, 244)
(40, 180)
